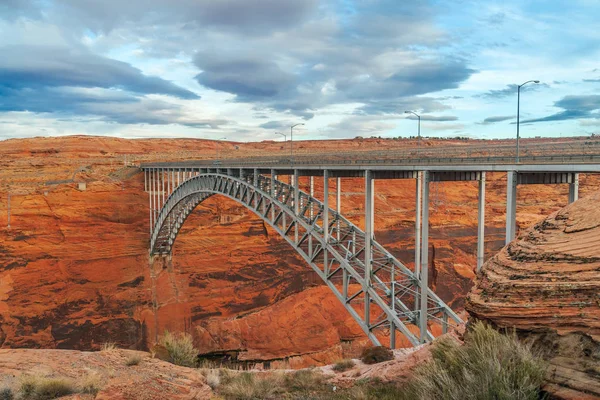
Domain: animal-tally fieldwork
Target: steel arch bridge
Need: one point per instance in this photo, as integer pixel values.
(378, 291)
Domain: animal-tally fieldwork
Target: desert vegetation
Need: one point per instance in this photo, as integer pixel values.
(376, 354)
(343, 365)
(133, 360)
(34, 387)
(490, 365)
(178, 349)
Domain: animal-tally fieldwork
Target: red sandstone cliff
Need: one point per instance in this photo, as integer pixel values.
(74, 269)
(546, 284)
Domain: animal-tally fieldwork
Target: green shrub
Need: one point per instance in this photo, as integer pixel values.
(376, 354)
(343, 365)
(180, 348)
(38, 388)
(490, 365)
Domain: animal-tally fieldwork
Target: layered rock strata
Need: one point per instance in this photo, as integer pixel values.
(546, 284)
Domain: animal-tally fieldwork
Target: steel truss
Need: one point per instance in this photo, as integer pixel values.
(386, 300)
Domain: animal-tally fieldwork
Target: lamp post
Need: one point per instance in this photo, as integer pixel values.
(292, 142)
(282, 134)
(217, 148)
(518, 110)
(419, 131)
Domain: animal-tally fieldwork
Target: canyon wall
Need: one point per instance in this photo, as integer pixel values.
(75, 271)
(546, 284)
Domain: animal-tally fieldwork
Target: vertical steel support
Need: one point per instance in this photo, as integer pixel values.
(296, 204)
(273, 194)
(418, 201)
(255, 183)
(311, 213)
(150, 194)
(338, 204)
(145, 181)
(424, 275)
(162, 175)
(368, 240)
(511, 206)
(481, 223)
(419, 182)
(393, 306)
(172, 181)
(155, 196)
(326, 220)
(574, 188)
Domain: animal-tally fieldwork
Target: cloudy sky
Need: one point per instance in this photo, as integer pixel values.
(245, 69)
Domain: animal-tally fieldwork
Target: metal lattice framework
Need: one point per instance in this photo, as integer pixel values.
(378, 291)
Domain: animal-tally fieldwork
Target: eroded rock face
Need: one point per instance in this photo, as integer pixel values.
(546, 284)
(75, 271)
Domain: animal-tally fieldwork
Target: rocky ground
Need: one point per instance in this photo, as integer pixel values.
(74, 271)
(153, 379)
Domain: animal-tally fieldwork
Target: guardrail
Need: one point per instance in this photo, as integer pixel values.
(287, 163)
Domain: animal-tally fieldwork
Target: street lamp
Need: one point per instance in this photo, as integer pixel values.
(217, 148)
(518, 106)
(419, 131)
(282, 134)
(292, 141)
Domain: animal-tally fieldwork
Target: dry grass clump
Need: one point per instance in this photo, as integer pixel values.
(41, 388)
(133, 360)
(91, 384)
(108, 346)
(305, 380)
(180, 348)
(490, 365)
(213, 378)
(376, 354)
(342, 366)
(269, 385)
(251, 386)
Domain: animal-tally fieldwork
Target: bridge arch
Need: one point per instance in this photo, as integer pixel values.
(386, 298)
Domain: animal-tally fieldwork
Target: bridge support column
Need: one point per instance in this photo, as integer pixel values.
(162, 175)
(574, 189)
(273, 193)
(424, 273)
(338, 203)
(311, 213)
(511, 206)
(368, 239)
(325, 220)
(481, 223)
(419, 182)
(296, 204)
(154, 195)
(255, 183)
(150, 194)
(145, 181)
(418, 201)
